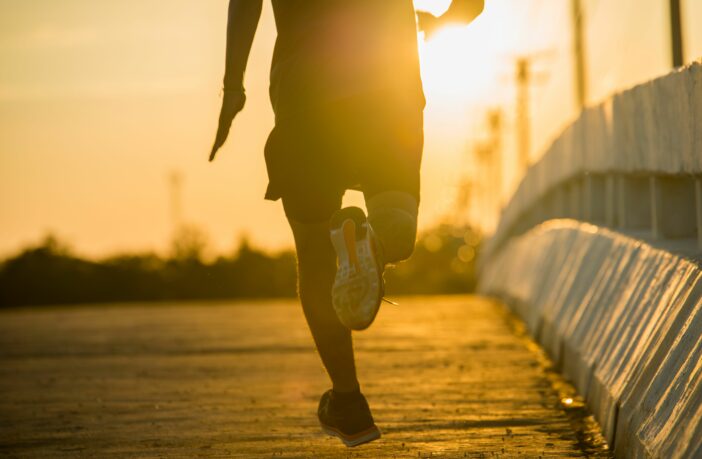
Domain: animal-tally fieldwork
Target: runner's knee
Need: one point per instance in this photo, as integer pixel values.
(396, 231)
(393, 217)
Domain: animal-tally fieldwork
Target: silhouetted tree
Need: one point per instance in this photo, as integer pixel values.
(49, 273)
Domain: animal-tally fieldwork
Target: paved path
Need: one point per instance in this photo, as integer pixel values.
(445, 376)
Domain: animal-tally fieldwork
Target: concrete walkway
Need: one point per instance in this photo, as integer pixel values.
(445, 377)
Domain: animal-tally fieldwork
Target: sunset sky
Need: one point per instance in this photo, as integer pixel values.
(101, 101)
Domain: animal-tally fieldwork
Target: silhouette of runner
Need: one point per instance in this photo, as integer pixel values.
(348, 101)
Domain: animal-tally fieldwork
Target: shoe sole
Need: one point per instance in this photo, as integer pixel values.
(351, 220)
(368, 435)
(354, 214)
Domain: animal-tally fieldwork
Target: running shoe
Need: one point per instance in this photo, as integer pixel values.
(358, 287)
(348, 417)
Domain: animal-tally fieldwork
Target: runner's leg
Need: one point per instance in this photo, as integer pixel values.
(393, 217)
(390, 173)
(316, 270)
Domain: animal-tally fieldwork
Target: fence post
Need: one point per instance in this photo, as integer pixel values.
(587, 201)
(610, 200)
(698, 206)
(621, 202)
(656, 211)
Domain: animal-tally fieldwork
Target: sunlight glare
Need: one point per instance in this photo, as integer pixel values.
(461, 64)
(435, 7)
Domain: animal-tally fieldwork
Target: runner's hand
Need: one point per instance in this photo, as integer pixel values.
(460, 12)
(232, 103)
(428, 23)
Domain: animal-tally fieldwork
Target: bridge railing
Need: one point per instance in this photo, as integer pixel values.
(633, 162)
(620, 317)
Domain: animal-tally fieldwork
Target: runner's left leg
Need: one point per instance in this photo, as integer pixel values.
(316, 261)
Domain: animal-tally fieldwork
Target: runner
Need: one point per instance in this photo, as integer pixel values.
(348, 101)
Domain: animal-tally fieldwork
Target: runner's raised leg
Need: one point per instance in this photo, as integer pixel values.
(393, 217)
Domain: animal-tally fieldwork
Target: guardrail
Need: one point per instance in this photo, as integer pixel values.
(633, 162)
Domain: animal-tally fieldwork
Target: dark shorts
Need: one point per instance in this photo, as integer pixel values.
(372, 143)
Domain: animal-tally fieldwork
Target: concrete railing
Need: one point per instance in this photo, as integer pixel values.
(597, 253)
(633, 162)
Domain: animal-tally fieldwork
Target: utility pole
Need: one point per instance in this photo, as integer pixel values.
(676, 33)
(495, 126)
(484, 192)
(524, 79)
(523, 75)
(464, 200)
(176, 187)
(579, 54)
(481, 193)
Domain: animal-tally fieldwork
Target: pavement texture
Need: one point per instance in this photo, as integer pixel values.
(445, 377)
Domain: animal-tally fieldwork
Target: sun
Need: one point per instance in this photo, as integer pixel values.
(435, 7)
(462, 63)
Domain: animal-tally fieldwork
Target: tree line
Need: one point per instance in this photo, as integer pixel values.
(51, 273)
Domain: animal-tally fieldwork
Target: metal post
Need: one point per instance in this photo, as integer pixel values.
(621, 203)
(676, 33)
(176, 186)
(495, 124)
(656, 210)
(523, 127)
(579, 55)
(610, 200)
(698, 208)
(588, 213)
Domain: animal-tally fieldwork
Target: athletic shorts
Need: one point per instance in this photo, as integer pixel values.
(371, 143)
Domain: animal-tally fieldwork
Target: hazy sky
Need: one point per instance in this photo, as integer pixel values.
(101, 101)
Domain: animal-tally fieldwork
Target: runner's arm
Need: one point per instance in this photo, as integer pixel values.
(463, 11)
(241, 27)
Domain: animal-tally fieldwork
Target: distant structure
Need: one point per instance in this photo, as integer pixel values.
(480, 193)
(523, 77)
(496, 167)
(175, 183)
(579, 55)
(678, 51)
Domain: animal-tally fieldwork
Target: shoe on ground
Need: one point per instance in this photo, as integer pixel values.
(348, 417)
(358, 286)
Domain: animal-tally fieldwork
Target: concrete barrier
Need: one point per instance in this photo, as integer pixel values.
(622, 319)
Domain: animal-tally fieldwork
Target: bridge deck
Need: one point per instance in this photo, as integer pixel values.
(445, 376)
